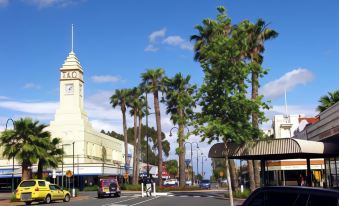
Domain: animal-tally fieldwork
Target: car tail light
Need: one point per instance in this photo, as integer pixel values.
(37, 189)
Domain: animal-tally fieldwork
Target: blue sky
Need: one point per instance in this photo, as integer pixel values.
(117, 40)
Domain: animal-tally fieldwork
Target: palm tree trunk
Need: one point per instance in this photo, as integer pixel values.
(181, 152)
(251, 174)
(135, 157)
(234, 176)
(255, 124)
(26, 173)
(40, 169)
(139, 142)
(125, 137)
(158, 121)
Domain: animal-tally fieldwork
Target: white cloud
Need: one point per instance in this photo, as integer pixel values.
(30, 107)
(105, 79)
(3, 3)
(154, 36)
(151, 48)
(49, 3)
(173, 40)
(153, 39)
(31, 86)
(178, 41)
(288, 81)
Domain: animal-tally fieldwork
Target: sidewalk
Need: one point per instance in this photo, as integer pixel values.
(5, 199)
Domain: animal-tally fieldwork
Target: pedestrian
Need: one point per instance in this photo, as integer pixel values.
(301, 180)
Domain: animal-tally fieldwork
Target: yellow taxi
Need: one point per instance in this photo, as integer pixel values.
(36, 190)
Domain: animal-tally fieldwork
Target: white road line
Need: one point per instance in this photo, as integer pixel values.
(196, 196)
(143, 201)
(111, 204)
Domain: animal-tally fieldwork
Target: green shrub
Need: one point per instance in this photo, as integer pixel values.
(91, 188)
(131, 187)
(239, 194)
(13, 198)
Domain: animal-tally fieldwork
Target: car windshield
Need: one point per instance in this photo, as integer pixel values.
(106, 183)
(27, 184)
(205, 181)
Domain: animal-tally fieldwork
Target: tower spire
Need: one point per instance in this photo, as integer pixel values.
(72, 37)
(285, 103)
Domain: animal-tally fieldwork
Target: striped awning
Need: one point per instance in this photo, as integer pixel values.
(284, 148)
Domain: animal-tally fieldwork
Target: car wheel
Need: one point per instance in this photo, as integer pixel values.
(28, 203)
(67, 198)
(48, 199)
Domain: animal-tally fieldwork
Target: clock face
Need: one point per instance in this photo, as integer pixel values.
(69, 89)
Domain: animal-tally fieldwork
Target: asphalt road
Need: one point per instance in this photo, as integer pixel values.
(209, 198)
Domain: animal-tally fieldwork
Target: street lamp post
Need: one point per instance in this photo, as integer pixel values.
(73, 190)
(191, 143)
(10, 119)
(202, 164)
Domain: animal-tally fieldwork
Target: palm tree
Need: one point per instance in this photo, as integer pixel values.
(180, 103)
(152, 81)
(26, 144)
(53, 158)
(257, 34)
(207, 32)
(328, 100)
(120, 99)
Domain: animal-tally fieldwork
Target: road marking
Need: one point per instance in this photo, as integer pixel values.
(113, 203)
(143, 201)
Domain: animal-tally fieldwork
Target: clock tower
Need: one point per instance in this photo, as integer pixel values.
(71, 84)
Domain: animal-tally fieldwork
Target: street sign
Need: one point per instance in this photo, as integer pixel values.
(69, 173)
(126, 175)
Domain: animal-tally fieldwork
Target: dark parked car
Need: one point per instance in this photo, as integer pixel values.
(292, 196)
(205, 184)
(109, 187)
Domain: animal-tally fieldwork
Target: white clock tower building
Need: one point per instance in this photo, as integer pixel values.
(95, 153)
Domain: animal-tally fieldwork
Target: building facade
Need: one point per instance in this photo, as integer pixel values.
(88, 153)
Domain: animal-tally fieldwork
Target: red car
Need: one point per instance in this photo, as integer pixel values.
(109, 187)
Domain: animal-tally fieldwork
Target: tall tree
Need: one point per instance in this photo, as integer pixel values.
(136, 105)
(225, 109)
(25, 143)
(328, 100)
(152, 81)
(180, 104)
(120, 99)
(257, 34)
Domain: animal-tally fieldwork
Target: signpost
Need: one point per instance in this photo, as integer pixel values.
(69, 174)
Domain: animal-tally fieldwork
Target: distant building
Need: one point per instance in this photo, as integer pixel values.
(286, 172)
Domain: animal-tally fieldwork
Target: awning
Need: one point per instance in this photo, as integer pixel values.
(275, 149)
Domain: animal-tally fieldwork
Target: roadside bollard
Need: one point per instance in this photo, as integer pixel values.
(241, 188)
(142, 190)
(155, 194)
